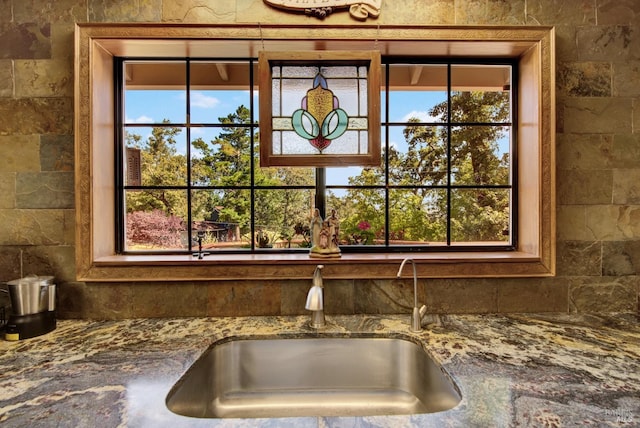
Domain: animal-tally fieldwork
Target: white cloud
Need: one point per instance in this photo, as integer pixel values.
(422, 116)
(139, 119)
(198, 99)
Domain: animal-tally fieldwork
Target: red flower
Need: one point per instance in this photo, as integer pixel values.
(364, 225)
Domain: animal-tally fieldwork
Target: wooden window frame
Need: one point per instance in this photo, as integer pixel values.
(98, 44)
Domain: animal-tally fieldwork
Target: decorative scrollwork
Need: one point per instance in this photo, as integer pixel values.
(358, 9)
(362, 11)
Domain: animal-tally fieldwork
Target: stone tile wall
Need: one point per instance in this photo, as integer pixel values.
(598, 162)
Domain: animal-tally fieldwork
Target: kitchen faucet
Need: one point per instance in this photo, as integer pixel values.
(418, 313)
(315, 301)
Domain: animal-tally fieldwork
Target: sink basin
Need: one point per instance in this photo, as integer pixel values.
(266, 378)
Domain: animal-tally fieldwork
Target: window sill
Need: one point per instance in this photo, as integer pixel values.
(299, 266)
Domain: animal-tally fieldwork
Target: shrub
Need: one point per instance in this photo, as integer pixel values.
(154, 228)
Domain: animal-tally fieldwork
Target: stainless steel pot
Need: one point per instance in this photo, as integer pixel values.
(32, 294)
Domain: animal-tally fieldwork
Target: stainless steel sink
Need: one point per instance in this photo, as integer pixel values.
(262, 378)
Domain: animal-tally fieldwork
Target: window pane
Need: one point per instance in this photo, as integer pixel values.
(362, 217)
(418, 155)
(217, 89)
(218, 215)
(226, 214)
(203, 155)
(480, 155)
(156, 220)
(280, 215)
(481, 93)
(163, 160)
(383, 107)
(286, 176)
(480, 216)
(417, 216)
(417, 92)
(155, 92)
(354, 176)
(221, 156)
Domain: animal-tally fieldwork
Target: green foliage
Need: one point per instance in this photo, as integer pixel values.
(163, 166)
(477, 214)
(223, 163)
(227, 166)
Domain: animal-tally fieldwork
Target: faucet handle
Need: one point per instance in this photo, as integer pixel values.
(416, 318)
(423, 311)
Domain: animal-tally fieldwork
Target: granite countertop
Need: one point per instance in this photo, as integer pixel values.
(547, 370)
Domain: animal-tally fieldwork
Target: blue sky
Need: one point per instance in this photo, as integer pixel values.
(152, 106)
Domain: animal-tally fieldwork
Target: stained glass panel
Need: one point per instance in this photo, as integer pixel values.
(320, 110)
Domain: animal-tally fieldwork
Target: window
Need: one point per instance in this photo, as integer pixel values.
(522, 139)
(445, 180)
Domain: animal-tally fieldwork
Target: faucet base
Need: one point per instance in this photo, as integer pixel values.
(416, 318)
(416, 323)
(317, 319)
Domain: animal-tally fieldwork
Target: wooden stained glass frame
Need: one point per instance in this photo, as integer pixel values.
(318, 131)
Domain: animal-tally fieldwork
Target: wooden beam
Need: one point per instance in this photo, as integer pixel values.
(222, 71)
(416, 71)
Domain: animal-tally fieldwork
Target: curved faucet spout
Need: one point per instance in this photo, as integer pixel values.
(415, 279)
(418, 312)
(317, 276)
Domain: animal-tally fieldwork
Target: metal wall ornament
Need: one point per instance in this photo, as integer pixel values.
(319, 108)
(358, 9)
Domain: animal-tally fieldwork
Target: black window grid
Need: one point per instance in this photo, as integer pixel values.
(320, 188)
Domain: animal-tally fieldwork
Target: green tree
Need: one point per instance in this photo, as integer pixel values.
(281, 209)
(419, 214)
(228, 166)
(161, 165)
(362, 204)
(478, 214)
(226, 162)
